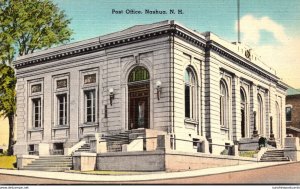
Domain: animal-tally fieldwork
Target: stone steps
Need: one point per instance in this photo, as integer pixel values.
(51, 163)
(274, 155)
(84, 148)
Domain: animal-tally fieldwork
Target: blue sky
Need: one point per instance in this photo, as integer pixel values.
(91, 18)
(269, 26)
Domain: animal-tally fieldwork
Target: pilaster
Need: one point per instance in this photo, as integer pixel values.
(236, 109)
(74, 108)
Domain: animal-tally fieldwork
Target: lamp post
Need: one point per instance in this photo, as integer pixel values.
(158, 89)
(111, 95)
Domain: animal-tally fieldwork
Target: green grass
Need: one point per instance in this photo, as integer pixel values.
(6, 162)
(248, 153)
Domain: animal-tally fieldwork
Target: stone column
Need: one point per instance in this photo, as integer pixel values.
(74, 106)
(47, 109)
(212, 103)
(236, 109)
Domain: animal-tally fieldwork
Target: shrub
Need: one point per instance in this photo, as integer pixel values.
(262, 141)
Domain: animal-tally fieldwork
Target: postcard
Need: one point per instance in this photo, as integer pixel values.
(152, 92)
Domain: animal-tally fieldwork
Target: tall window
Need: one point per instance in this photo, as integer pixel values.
(260, 115)
(190, 93)
(36, 109)
(243, 112)
(288, 115)
(223, 104)
(62, 109)
(90, 106)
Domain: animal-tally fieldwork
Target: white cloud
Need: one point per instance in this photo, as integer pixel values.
(284, 56)
(251, 28)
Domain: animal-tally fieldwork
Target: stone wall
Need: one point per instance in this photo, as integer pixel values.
(179, 161)
(131, 161)
(165, 161)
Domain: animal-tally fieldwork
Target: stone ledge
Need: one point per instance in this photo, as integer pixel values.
(210, 156)
(28, 156)
(84, 154)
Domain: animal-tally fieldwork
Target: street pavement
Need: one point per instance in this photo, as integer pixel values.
(257, 173)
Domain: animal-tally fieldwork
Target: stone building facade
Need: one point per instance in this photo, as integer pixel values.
(195, 87)
(293, 112)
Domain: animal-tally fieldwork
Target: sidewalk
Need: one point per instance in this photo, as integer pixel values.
(140, 177)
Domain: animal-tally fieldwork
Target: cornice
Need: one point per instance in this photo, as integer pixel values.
(86, 50)
(171, 30)
(115, 40)
(226, 53)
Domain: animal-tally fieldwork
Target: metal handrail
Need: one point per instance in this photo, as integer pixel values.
(186, 140)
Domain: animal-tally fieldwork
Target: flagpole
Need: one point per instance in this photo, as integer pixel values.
(238, 20)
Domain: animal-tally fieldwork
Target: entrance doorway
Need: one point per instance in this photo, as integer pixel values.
(243, 122)
(138, 98)
(138, 106)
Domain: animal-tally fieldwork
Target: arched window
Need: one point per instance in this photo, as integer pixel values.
(190, 92)
(138, 74)
(244, 112)
(260, 115)
(223, 104)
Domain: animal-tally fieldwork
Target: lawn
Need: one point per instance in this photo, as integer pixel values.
(6, 162)
(248, 153)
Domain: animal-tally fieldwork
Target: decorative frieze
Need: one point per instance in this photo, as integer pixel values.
(63, 83)
(91, 78)
(36, 88)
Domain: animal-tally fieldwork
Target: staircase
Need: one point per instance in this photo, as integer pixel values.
(84, 148)
(274, 155)
(51, 163)
(115, 141)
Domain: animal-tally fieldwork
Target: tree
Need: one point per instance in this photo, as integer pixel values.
(7, 100)
(25, 27)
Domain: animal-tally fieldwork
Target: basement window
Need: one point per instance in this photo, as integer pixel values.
(58, 149)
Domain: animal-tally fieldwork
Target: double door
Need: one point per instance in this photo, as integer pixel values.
(138, 106)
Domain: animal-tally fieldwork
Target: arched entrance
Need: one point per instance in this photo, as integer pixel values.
(138, 98)
(243, 113)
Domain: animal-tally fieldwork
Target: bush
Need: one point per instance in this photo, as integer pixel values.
(262, 141)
